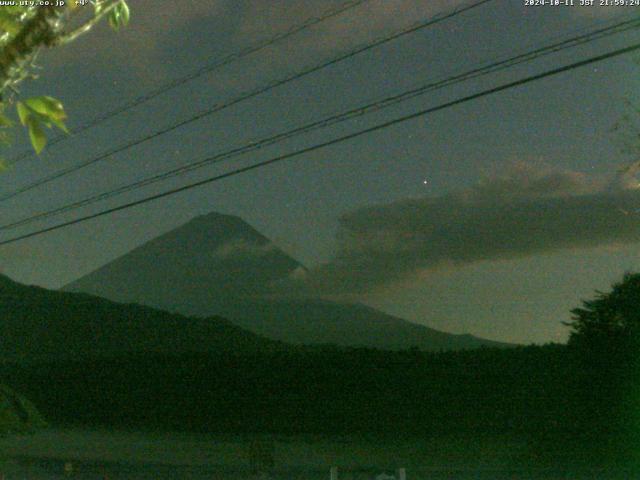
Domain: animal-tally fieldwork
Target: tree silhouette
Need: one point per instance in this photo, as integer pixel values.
(610, 323)
(605, 341)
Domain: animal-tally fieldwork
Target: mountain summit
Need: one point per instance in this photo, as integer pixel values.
(219, 265)
(210, 261)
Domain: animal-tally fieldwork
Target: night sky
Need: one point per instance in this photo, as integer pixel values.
(492, 218)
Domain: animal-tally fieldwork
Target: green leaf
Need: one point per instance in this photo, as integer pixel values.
(119, 16)
(36, 134)
(10, 18)
(60, 125)
(114, 19)
(41, 111)
(23, 113)
(9, 24)
(126, 13)
(47, 107)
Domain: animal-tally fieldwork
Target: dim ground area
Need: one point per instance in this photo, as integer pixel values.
(98, 454)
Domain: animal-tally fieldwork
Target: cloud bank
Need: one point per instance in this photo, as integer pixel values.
(523, 212)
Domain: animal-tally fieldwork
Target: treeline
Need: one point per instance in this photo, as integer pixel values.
(568, 410)
(322, 390)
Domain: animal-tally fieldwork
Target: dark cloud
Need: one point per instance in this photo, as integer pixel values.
(141, 46)
(376, 18)
(521, 213)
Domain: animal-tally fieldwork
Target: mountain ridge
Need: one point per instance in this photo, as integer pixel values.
(217, 264)
(39, 324)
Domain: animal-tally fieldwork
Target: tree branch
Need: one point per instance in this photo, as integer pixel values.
(39, 31)
(71, 36)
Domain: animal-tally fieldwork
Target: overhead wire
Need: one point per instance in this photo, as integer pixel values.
(206, 69)
(343, 138)
(243, 97)
(338, 118)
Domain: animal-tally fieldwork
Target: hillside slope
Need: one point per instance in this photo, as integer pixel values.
(219, 265)
(342, 324)
(37, 324)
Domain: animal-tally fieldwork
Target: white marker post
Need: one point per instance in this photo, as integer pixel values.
(333, 473)
(402, 474)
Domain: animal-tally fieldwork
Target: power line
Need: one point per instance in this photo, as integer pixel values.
(241, 98)
(381, 126)
(334, 119)
(333, 12)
